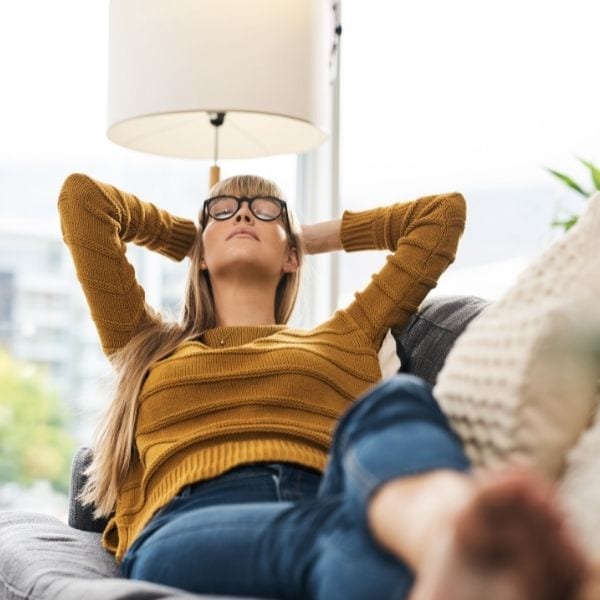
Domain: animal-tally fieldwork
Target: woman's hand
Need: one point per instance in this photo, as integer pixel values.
(322, 237)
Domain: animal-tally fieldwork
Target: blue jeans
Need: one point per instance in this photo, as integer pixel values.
(280, 530)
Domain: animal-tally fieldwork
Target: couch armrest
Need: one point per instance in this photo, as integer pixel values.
(81, 517)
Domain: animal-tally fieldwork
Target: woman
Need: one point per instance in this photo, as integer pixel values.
(242, 457)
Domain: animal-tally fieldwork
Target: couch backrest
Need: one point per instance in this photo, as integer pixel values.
(424, 343)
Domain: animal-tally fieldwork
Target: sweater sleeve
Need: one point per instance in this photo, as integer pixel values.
(96, 221)
(423, 235)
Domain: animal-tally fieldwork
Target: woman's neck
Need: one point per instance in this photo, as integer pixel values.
(248, 303)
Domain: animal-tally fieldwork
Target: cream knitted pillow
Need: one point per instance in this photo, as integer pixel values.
(579, 488)
(388, 357)
(512, 385)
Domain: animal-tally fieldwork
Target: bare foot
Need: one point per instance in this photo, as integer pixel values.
(509, 543)
(591, 587)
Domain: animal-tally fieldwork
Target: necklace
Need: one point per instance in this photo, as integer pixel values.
(221, 339)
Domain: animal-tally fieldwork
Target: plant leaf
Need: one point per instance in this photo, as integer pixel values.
(566, 224)
(595, 172)
(568, 181)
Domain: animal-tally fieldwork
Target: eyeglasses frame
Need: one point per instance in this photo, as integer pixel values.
(240, 199)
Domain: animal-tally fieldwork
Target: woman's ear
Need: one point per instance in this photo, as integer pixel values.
(291, 263)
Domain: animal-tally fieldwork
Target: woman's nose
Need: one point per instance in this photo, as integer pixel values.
(244, 213)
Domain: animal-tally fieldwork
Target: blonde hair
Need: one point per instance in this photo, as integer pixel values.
(114, 440)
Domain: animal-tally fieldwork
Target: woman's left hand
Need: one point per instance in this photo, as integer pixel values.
(322, 237)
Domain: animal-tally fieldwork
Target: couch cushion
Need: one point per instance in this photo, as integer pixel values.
(43, 558)
(516, 385)
(424, 342)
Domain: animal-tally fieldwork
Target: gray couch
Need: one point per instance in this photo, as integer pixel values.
(43, 558)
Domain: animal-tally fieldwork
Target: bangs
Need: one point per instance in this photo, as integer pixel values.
(252, 186)
(247, 185)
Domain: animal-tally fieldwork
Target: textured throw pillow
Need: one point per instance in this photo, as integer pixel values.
(579, 488)
(516, 385)
(388, 358)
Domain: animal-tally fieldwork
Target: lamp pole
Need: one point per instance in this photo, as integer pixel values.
(335, 147)
(216, 119)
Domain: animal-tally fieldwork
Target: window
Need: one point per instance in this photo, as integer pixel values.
(7, 291)
(434, 102)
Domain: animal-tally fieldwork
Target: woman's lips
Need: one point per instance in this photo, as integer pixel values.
(244, 233)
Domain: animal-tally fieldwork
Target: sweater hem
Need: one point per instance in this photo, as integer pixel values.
(201, 465)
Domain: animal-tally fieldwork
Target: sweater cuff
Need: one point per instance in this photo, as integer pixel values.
(183, 234)
(357, 230)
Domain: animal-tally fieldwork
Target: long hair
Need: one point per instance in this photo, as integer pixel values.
(114, 440)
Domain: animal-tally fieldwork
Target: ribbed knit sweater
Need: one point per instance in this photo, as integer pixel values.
(267, 393)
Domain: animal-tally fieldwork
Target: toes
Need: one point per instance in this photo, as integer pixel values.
(590, 590)
(514, 528)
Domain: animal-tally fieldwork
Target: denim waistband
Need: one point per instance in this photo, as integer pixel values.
(280, 469)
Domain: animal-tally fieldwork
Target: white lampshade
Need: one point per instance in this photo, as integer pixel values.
(174, 63)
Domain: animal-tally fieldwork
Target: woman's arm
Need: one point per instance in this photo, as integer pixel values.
(322, 237)
(96, 221)
(423, 235)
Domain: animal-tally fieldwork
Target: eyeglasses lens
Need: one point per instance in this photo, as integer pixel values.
(226, 206)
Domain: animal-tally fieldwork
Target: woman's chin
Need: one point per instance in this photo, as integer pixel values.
(244, 268)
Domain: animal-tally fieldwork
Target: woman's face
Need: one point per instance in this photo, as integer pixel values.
(244, 245)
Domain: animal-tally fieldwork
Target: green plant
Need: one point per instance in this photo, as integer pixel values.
(571, 183)
(35, 440)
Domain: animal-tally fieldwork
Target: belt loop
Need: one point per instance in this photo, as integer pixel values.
(277, 480)
(276, 466)
(276, 476)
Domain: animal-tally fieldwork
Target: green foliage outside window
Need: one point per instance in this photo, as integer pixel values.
(35, 442)
(571, 219)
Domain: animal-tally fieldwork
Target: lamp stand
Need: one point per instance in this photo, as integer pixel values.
(216, 119)
(215, 176)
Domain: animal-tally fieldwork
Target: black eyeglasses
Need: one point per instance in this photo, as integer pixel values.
(265, 208)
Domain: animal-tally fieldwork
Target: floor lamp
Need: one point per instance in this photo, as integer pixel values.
(210, 79)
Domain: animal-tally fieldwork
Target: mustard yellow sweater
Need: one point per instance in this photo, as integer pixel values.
(269, 393)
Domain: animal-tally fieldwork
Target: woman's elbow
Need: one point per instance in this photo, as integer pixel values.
(453, 206)
(71, 188)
